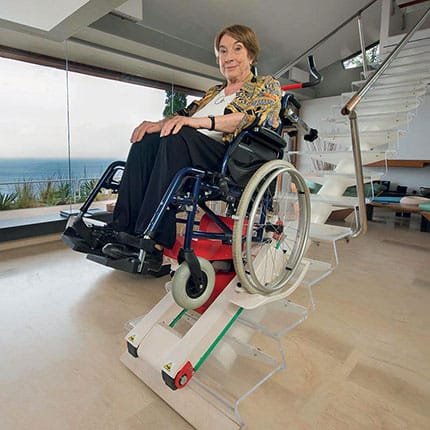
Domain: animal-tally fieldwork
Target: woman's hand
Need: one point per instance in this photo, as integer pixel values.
(146, 127)
(174, 124)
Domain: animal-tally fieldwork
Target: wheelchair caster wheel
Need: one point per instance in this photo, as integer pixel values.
(185, 292)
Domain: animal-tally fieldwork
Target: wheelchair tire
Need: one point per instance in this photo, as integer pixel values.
(181, 285)
(271, 228)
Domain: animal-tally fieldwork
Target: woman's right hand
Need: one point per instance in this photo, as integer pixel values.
(144, 128)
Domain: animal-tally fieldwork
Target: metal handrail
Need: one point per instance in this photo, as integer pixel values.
(349, 110)
(285, 69)
(352, 103)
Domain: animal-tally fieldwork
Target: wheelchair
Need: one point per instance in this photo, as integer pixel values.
(261, 236)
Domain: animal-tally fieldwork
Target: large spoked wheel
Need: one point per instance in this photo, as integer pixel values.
(185, 292)
(271, 228)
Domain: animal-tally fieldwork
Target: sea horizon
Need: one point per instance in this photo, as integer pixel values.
(14, 170)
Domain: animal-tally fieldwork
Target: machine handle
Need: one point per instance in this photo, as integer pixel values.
(314, 80)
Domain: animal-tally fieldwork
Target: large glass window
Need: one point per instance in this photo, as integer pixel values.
(59, 131)
(33, 133)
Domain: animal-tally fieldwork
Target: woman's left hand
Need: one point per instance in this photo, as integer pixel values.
(173, 125)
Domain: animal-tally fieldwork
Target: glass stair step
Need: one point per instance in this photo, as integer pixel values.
(317, 271)
(328, 233)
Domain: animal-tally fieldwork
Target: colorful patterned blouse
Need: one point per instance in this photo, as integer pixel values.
(259, 97)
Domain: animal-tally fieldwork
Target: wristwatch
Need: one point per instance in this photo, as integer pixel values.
(212, 118)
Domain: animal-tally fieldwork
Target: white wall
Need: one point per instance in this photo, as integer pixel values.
(413, 145)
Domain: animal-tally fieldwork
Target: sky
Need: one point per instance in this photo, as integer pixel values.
(103, 113)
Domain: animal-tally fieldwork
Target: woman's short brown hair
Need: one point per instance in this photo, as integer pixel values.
(242, 34)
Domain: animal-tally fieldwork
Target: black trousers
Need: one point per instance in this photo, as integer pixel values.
(151, 165)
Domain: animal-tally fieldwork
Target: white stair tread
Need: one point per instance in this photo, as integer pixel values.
(376, 96)
(369, 176)
(327, 232)
(341, 154)
(321, 174)
(406, 60)
(395, 116)
(367, 139)
(337, 156)
(388, 108)
(403, 87)
(367, 134)
(406, 78)
(374, 122)
(410, 67)
(412, 48)
(383, 101)
(341, 201)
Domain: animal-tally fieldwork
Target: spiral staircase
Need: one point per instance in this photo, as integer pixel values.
(384, 114)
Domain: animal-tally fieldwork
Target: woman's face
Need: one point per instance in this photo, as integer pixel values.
(234, 60)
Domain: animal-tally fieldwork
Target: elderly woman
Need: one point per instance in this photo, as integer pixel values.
(195, 136)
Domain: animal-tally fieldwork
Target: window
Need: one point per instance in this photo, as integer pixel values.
(356, 60)
(59, 131)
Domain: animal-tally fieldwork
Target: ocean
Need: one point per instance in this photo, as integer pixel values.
(33, 169)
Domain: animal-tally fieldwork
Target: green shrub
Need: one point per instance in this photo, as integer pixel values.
(64, 193)
(7, 200)
(26, 196)
(54, 193)
(86, 188)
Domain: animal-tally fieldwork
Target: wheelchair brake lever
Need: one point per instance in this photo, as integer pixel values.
(225, 189)
(223, 186)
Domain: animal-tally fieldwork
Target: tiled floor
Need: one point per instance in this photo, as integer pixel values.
(361, 360)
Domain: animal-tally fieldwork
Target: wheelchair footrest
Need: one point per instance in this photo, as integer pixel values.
(78, 244)
(129, 264)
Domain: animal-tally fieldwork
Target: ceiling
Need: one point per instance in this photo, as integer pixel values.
(172, 41)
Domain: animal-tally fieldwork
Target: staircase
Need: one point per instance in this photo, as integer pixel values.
(384, 114)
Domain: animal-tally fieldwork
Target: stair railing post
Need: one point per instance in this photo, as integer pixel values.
(362, 45)
(361, 227)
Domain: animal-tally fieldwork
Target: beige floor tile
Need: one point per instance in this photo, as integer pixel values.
(360, 361)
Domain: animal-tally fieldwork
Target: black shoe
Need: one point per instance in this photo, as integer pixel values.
(118, 251)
